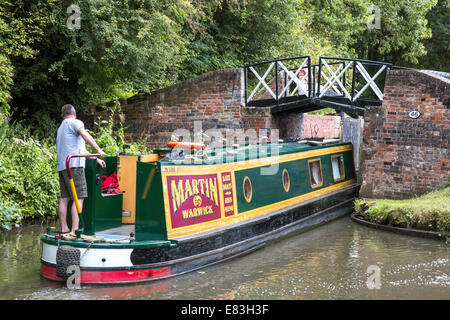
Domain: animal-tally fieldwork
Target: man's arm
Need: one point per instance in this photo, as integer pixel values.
(88, 138)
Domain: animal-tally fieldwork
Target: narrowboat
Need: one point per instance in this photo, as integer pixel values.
(179, 214)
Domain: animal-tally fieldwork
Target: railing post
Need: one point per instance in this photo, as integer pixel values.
(276, 82)
(246, 84)
(353, 83)
(314, 81)
(286, 92)
(344, 76)
(318, 81)
(309, 77)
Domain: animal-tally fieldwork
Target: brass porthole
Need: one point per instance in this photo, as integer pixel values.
(247, 187)
(286, 180)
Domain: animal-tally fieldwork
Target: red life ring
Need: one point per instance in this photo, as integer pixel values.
(192, 145)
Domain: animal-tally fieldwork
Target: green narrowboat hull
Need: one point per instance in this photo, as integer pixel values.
(190, 214)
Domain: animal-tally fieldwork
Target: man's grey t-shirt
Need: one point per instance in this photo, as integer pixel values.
(69, 142)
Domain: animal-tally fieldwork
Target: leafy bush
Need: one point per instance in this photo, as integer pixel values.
(9, 216)
(29, 186)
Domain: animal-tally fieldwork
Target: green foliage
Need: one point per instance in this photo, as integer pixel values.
(124, 47)
(6, 81)
(29, 182)
(438, 46)
(110, 136)
(323, 112)
(23, 24)
(9, 216)
(398, 41)
(236, 33)
(127, 45)
(120, 46)
(403, 30)
(340, 21)
(428, 212)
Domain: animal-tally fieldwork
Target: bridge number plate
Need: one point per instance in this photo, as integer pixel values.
(414, 114)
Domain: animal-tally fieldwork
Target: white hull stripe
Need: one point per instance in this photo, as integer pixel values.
(95, 258)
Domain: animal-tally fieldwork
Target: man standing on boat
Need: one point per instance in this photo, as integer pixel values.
(70, 140)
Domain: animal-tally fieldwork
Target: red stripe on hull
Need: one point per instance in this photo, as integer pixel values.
(112, 276)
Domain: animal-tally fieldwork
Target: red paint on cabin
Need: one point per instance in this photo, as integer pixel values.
(193, 199)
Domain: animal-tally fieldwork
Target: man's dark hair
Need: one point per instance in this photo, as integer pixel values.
(67, 110)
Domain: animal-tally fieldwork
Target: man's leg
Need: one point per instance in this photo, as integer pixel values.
(81, 189)
(75, 218)
(62, 211)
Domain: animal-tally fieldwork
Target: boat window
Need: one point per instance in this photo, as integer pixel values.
(315, 173)
(337, 162)
(247, 189)
(286, 180)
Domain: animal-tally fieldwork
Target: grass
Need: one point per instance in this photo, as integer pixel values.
(429, 212)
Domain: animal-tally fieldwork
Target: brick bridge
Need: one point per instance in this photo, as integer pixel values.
(405, 112)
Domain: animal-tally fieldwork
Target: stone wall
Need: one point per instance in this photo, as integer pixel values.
(402, 156)
(214, 100)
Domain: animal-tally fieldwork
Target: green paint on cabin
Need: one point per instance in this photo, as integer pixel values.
(150, 216)
(268, 188)
(248, 152)
(100, 212)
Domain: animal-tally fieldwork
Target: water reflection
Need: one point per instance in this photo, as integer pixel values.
(20, 251)
(329, 262)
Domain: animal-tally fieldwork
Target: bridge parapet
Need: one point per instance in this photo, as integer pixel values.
(289, 84)
(278, 81)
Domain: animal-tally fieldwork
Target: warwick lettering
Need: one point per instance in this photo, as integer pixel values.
(185, 189)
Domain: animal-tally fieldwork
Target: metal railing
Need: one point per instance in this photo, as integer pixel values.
(341, 81)
(283, 79)
(354, 82)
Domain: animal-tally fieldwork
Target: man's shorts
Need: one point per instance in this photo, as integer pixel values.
(79, 180)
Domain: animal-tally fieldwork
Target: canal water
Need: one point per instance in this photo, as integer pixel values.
(329, 262)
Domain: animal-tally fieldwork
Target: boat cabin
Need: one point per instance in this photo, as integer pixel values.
(170, 199)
